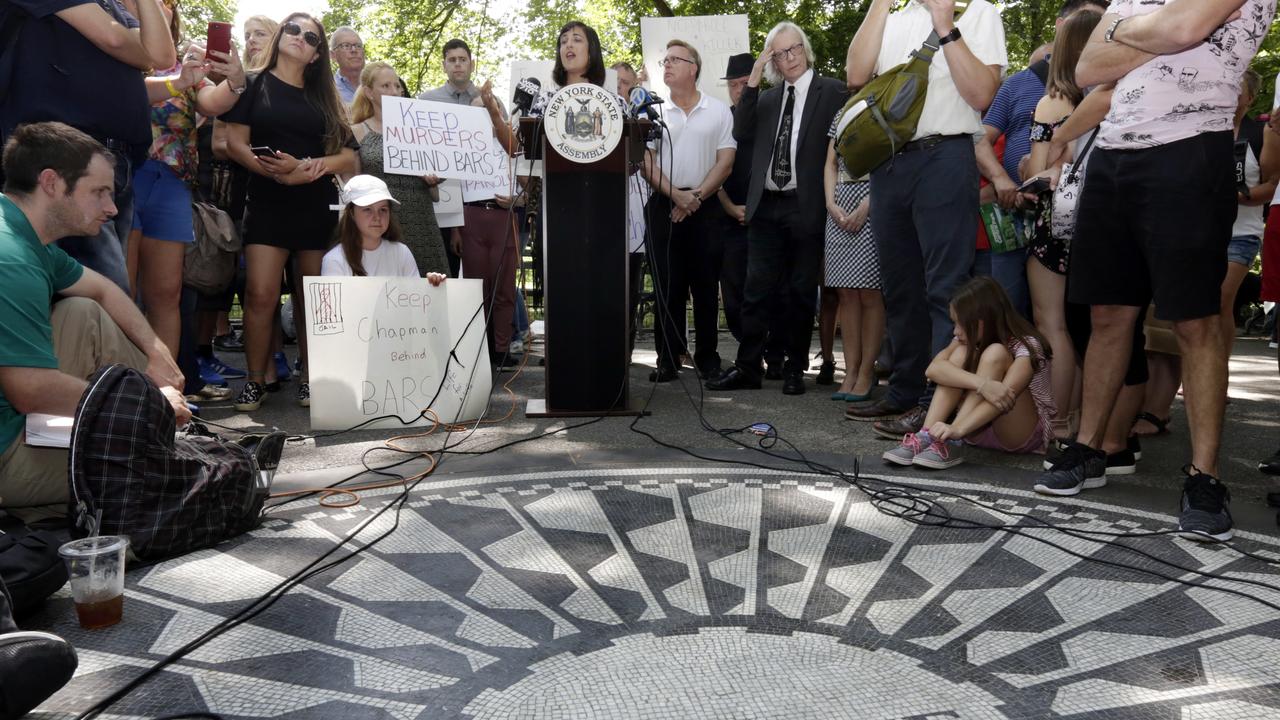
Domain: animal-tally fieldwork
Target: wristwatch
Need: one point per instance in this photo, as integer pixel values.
(952, 36)
(1110, 34)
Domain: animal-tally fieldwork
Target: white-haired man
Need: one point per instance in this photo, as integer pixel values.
(348, 52)
(786, 203)
(924, 203)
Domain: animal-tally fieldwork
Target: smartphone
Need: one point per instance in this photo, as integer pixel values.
(219, 37)
(263, 151)
(1035, 186)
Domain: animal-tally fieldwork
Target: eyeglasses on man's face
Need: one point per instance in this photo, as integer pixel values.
(293, 28)
(349, 46)
(674, 61)
(789, 52)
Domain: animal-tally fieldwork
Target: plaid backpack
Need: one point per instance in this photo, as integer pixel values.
(130, 475)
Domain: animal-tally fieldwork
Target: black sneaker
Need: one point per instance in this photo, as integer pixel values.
(1206, 515)
(1080, 468)
(33, 666)
(1122, 463)
(266, 451)
(232, 341)
(1053, 453)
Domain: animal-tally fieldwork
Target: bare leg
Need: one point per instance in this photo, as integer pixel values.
(946, 399)
(263, 264)
(1013, 428)
(1048, 298)
(160, 284)
(827, 324)
(1166, 378)
(1230, 286)
(131, 258)
(872, 303)
(1121, 422)
(307, 264)
(1204, 380)
(1104, 368)
(850, 336)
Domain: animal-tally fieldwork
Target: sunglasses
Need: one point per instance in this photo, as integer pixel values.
(293, 28)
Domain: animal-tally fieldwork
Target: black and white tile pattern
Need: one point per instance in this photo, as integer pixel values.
(697, 592)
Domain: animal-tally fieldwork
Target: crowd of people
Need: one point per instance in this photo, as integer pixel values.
(1021, 269)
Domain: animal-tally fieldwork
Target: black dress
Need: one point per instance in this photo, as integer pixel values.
(293, 217)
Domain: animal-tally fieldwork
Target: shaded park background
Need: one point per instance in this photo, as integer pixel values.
(409, 33)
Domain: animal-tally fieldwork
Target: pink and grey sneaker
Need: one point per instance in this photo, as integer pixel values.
(939, 455)
(912, 445)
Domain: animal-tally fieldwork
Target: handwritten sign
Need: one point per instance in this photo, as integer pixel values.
(501, 183)
(716, 37)
(449, 208)
(421, 137)
(381, 346)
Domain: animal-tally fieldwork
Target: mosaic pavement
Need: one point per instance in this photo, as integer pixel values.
(696, 593)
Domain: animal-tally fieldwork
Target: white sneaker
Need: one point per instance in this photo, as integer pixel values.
(517, 347)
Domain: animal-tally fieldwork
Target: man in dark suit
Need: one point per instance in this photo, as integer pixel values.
(786, 208)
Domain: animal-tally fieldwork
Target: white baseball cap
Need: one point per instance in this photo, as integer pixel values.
(365, 190)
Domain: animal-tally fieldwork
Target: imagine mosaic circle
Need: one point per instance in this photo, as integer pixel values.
(673, 593)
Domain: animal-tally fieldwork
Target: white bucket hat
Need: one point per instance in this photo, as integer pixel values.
(365, 190)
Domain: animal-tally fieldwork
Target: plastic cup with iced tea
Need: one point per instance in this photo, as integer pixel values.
(96, 568)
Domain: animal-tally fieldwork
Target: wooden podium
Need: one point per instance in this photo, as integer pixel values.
(586, 292)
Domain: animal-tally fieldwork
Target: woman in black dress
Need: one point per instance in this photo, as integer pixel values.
(290, 131)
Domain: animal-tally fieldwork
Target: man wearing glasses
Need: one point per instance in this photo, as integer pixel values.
(686, 167)
(786, 206)
(924, 202)
(348, 51)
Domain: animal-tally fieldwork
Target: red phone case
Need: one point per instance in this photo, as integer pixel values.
(219, 37)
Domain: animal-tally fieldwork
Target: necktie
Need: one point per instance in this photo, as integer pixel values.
(781, 170)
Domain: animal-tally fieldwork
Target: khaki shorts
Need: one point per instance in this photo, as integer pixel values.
(33, 481)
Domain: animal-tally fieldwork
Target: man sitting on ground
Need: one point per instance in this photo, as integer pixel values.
(59, 183)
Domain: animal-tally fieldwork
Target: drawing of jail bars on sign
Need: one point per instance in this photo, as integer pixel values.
(325, 304)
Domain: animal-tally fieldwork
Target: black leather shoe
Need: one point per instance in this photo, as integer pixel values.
(665, 373)
(826, 374)
(874, 411)
(1271, 466)
(772, 372)
(793, 384)
(734, 379)
(710, 371)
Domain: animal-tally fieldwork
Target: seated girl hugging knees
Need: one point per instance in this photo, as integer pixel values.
(992, 384)
(369, 236)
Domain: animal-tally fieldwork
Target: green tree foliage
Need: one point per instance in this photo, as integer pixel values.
(196, 15)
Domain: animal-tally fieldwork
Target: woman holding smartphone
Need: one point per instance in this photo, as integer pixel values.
(290, 131)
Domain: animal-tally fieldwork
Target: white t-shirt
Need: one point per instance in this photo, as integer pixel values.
(945, 112)
(694, 140)
(1249, 219)
(1174, 97)
(391, 259)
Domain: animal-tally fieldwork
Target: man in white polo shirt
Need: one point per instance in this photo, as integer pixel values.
(686, 166)
(924, 202)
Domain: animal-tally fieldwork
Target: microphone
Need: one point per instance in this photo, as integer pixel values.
(526, 90)
(644, 102)
(539, 106)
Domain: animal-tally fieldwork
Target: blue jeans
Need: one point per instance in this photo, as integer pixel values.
(1010, 270)
(105, 252)
(924, 216)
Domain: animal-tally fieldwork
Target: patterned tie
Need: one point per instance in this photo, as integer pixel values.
(781, 170)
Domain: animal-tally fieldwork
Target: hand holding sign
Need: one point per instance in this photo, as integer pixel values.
(420, 137)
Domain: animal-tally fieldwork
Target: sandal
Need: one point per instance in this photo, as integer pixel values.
(1161, 426)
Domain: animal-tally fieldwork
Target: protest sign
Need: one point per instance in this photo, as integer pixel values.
(449, 208)
(502, 182)
(421, 137)
(716, 37)
(382, 346)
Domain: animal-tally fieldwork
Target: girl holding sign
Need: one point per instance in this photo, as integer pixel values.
(290, 131)
(369, 236)
(417, 213)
